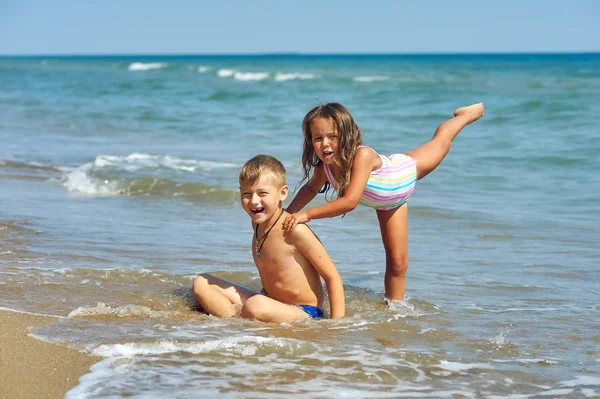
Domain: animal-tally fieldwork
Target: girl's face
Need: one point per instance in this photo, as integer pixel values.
(324, 139)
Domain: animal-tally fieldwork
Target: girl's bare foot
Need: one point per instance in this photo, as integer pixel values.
(471, 112)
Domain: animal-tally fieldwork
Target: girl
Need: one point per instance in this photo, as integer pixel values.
(333, 151)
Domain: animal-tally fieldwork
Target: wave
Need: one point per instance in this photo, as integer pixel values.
(258, 76)
(281, 77)
(32, 166)
(244, 76)
(146, 66)
(369, 79)
(243, 346)
(80, 182)
(136, 161)
(225, 73)
(110, 175)
(32, 171)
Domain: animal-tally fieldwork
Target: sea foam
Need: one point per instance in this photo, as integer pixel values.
(243, 346)
(141, 66)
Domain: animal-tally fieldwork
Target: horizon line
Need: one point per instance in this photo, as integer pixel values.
(294, 53)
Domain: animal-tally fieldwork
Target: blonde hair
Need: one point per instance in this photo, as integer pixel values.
(261, 165)
(349, 138)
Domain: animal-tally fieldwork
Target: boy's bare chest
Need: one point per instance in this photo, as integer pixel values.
(274, 258)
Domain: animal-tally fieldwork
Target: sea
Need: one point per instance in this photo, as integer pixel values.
(119, 185)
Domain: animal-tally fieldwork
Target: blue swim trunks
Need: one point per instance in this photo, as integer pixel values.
(313, 311)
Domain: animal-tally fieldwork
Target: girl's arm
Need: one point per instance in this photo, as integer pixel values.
(309, 190)
(365, 161)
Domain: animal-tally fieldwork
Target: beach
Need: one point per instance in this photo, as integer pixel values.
(32, 368)
(119, 184)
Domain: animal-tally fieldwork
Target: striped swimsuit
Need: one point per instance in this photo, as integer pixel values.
(388, 187)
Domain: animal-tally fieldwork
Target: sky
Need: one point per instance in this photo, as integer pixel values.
(68, 27)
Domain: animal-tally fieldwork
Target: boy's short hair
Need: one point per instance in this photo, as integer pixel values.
(260, 165)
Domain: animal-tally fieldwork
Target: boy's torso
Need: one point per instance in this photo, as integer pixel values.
(285, 273)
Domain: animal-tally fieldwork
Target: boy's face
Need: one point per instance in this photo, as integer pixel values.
(324, 139)
(262, 199)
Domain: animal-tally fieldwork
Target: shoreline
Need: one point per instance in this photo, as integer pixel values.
(32, 368)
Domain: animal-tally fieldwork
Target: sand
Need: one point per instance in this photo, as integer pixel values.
(30, 368)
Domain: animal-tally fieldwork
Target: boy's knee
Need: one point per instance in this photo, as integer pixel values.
(199, 283)
(254, 308)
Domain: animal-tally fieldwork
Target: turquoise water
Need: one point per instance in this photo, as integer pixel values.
(119, 184)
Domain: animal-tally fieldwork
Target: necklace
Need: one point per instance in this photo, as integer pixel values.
(259, 242)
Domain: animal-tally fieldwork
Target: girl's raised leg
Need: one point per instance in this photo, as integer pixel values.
(394, 233)
(429, 155)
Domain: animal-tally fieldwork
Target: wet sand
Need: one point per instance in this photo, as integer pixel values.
(30, 368)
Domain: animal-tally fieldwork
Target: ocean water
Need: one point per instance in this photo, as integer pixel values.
(118, 185)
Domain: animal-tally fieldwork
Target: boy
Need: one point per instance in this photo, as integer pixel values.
(291, 264)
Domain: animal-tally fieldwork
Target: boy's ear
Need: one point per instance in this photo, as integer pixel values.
(284, 191)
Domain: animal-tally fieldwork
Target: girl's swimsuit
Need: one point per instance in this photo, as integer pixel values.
(388, 187)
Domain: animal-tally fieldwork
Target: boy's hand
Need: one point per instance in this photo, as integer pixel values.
(292, 220)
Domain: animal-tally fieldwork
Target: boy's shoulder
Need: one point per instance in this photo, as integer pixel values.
(302, 234)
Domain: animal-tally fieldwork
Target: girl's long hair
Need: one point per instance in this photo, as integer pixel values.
(349, 138)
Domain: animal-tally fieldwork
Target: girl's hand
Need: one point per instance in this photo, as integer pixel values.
(292, 220)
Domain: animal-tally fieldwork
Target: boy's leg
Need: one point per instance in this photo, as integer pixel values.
(429, 155)
(394, 233)
(220, 297)
(269, 310)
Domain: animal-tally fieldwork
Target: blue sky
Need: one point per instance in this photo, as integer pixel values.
(326, 26)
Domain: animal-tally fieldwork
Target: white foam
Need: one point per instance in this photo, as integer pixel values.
(137, 161)
(347, 324)
(244, 76)
(80, 182)
(121, 311)
(111, 377)
(203, 69)
(498, 340)
(369, 79)
(553, 393)
(99, 372)
(457, 367)
(225, 73)
(141, 66)
(244, 346)
(281, 77)
(404, 309)
(582, 380)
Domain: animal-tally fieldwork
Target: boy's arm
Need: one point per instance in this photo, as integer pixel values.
(313, 250)
(309, 190)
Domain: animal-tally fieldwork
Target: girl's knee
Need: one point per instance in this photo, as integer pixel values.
(397, 264)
